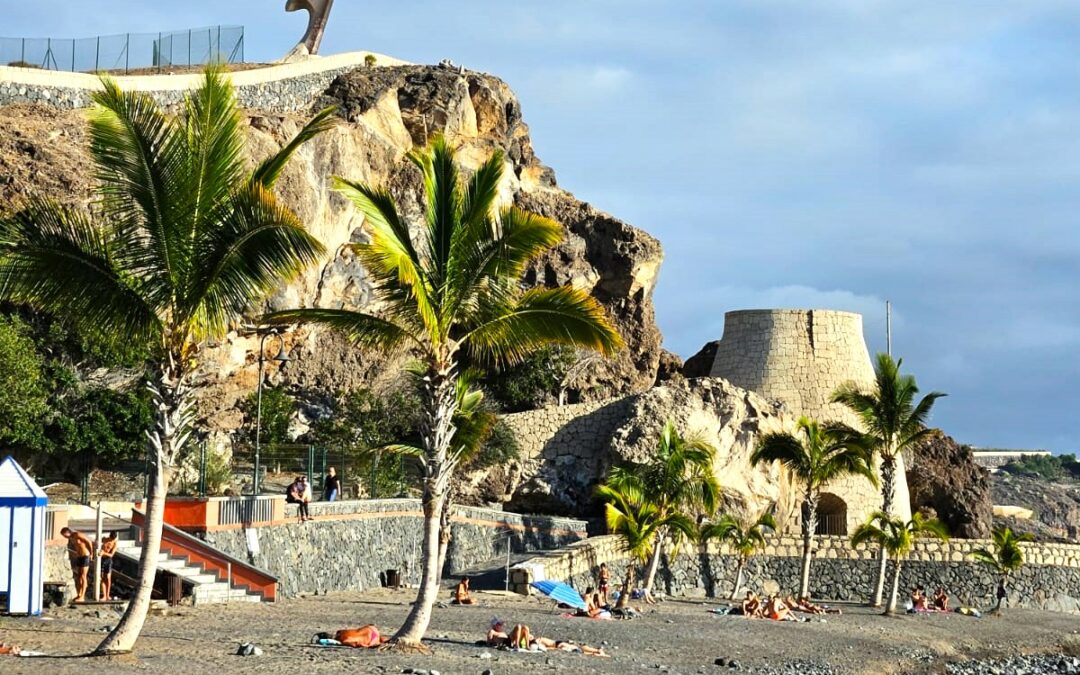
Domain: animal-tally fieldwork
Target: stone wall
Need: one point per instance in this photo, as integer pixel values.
(1050, 580)
(800, 357)
(567, 447)
(283, 88)
(351, 544)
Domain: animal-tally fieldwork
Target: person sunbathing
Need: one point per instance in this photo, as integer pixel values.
(496, 635)
(522, 638)
(776, 610)
(918, 600)
(804, 605)
(751, 606)
(461, 593)
(941, 600)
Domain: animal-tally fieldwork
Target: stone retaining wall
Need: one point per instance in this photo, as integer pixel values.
(351, 544)
(282, 88)
(1050, 580)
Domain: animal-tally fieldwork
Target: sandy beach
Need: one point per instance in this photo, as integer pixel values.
(680, 636)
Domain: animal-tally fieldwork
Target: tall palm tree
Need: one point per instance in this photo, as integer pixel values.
(637, 520)
(472, 427)
(745, 538)
(183, 238)
(815, 455)
(892, 422)
(895, 536)
(454, 289)
(1005, 557)
(678, 479)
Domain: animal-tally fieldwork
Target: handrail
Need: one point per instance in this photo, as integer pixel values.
(207, 548)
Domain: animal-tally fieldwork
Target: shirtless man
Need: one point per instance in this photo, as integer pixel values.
(605, 580)
(80, 551)
(108, 550)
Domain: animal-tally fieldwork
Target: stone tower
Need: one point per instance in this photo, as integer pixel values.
(799, 357)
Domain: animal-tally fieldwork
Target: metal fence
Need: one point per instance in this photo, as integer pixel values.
(128, 51)
(245, 510)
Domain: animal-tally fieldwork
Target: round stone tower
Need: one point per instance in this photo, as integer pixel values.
(799, 357)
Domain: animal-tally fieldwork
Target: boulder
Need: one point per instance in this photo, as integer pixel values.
(944, 478)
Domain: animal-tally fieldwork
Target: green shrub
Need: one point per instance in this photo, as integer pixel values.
(1049, 467)
(369, 60)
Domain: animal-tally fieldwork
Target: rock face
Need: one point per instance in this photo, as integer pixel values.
(700, 364)
(568, 450)
(386, 112)
(1055, 506)
(944, 478)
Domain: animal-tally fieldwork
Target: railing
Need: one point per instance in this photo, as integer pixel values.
(246, 510)
(126, 52)
(234, 571)
(832, 524)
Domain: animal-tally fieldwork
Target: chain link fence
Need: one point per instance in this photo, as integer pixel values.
(127, 52)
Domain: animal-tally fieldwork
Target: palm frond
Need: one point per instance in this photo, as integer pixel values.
(257, 246)
(57, 260)
(361, 329)
(140, 160)
(443, 192)
(270, 168)
(541, 317)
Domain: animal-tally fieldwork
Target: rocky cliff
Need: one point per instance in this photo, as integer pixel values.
(943, 479)
(1055, 506)
(385, 112)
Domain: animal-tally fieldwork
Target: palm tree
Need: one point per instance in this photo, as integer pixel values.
(637, 521)
(816, 455)
(472, 427)
(454, 290)
(893, 422)
(1005, 558)
(895, 536)
(182, 239)
(678, 479)
(743, 538)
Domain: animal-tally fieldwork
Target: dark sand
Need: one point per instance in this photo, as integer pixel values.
(679, 637)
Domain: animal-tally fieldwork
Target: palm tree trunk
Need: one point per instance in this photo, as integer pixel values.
(888, 494)
(895, 587)
(654, 562)
(173, 405)
(439, 403)
(738, 579)
(809, 527)
(445, 534)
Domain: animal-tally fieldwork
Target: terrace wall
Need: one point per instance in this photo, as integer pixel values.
(351, 544)
(1050, 580)
(283, 88)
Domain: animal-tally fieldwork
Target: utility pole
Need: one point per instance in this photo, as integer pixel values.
(888, 327)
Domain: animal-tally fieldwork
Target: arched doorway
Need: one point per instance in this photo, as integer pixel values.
(832, 515)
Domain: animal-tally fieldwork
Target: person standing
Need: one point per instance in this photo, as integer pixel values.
(605, 580)
(80, 551)
(107, 551)
(305, 496)
(331, 485)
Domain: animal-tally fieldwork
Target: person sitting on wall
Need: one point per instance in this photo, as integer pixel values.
(751, 605)
(461, 593)
(941, 600)
(295, 495)
(80, 553)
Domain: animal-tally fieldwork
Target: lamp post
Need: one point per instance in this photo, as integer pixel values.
(281, 357)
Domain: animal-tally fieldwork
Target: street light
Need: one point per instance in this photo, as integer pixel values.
(281, 357)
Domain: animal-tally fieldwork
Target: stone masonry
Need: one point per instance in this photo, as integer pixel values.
(351, 544)
(799, 357)
(1049, 580)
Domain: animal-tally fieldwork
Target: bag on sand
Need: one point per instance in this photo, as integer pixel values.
(365, 636)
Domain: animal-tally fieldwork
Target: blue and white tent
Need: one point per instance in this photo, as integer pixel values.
(22, 540)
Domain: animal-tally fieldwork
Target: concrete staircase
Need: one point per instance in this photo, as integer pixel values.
(205, 587)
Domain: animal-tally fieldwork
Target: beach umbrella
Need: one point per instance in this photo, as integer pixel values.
(560, 592)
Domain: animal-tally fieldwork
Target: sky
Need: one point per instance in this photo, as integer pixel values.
(786, 154)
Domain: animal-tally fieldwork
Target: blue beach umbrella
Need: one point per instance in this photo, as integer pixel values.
(560, 592)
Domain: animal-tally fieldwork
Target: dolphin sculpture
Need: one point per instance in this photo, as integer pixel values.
(318, 11)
